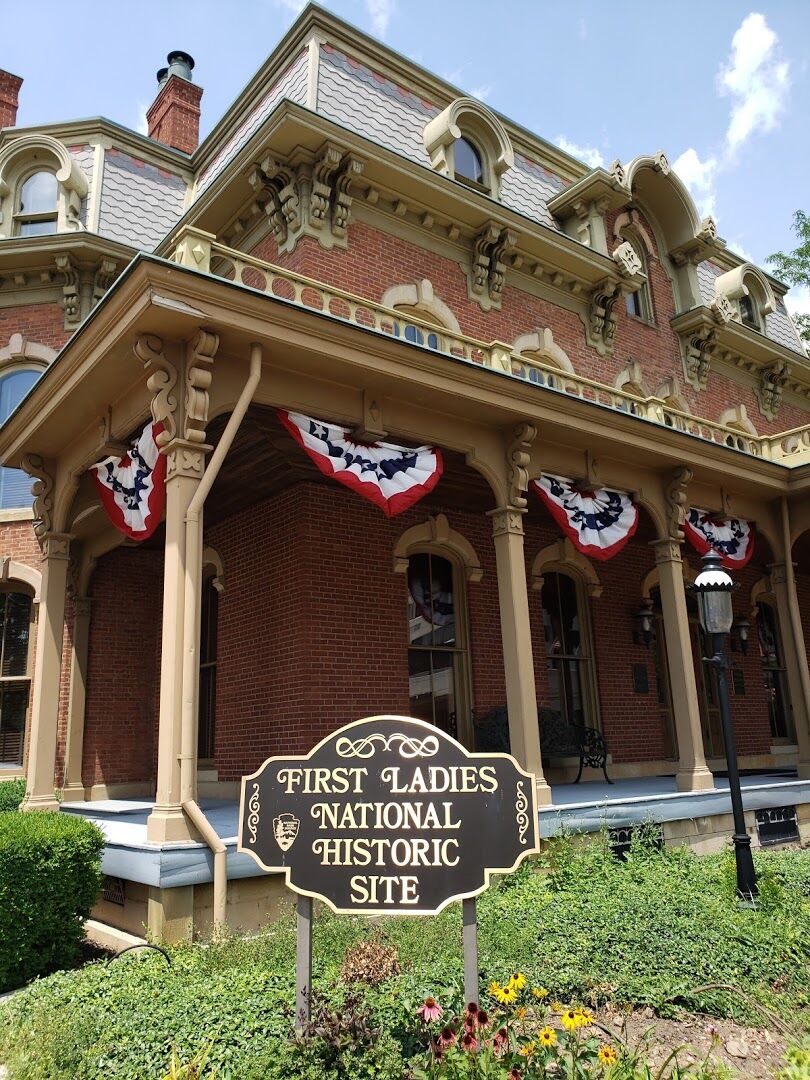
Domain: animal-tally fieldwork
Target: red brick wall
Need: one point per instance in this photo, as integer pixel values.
(42, 323)
(122, 675)
(374, 261)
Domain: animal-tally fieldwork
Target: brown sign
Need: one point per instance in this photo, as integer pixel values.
(388, 815)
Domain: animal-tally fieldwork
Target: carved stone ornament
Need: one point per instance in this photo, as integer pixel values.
(186, 460)
(71, 302)
(722, 309)
(771, 383)
(308, 195)
(55, 545)
(626, 258)
(506, 520)
(602, 316)
(488, 268)
(518, 460)
(199, 358)
(161, 384)
(676, 497)
(105, 274)
(42, 492)
(697, 354)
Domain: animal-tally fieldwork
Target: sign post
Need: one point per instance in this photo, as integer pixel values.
(388, 816)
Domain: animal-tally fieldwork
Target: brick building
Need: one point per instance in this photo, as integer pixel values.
(357, 243)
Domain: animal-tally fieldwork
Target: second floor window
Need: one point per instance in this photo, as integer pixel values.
(15, 485)
(36, 205)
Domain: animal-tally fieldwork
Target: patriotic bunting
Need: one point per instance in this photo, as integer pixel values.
(598, 523)
(133, 487)
(731, 538)
(392, 477)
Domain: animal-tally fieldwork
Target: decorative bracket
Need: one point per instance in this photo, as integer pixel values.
(771, 383)
(42, 492)
(371, 429)
(487, 274)
(161, 383)
(105, 274)
(518, 458)
(199, 358)
(591, 480)
(677, 501)
(71, 300)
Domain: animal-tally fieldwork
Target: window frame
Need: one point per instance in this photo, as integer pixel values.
(210, 592)
(10, 682)
(21, 218)
(641, 297)
(587, 662)
(462, 664)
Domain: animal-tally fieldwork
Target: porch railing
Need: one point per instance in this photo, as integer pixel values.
(201, 251)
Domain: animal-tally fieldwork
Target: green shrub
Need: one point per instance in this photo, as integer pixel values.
(11, 794)
(50, 876)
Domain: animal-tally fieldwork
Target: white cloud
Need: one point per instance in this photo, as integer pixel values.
(699, 177)
(380, 12)
(756, 78)
(481, 92)
(143, 124)
(797, 300)
(736, 245)
(589, 154)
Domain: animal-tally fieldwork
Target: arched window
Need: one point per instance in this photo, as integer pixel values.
(15, 634)
(208, 670)
(15, 485)
(437, 644)
(639, 303)
(773, 674)
(569, 660)
(468, 163)
(36, 210)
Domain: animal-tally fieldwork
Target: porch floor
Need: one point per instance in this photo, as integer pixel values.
(584, 807)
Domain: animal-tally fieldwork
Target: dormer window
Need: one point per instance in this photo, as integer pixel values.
(467, 162)
(36, 212)
(748, 313)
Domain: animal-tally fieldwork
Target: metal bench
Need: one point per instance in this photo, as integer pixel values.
(558, 738)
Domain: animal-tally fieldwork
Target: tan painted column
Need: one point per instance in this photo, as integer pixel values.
(39, 794)
(795, 654)
(693, 774)
(513, 599)
(167, 821)
(74, 742)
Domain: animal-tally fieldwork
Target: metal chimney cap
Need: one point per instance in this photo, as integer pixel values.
(180, 63)
(162, 75)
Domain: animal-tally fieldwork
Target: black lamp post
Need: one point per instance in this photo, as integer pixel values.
(713, 587)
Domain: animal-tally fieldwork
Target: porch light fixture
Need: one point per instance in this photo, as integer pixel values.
(713, 588)
(743, 628)
(644, 620)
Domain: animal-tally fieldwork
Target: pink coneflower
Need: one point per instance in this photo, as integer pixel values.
(500, 1040)
(469, 1023)
(482, 1019)
(430, 1010)
(447, 1037)
(469, 1041)
(514, 1073)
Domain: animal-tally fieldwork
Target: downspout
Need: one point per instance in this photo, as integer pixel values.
(191, 637)
(793, 607)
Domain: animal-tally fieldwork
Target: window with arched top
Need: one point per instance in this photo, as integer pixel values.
(16, 610)
(468, 162)
(467, 142)
(639, 303)
(569, 658)
(36, 210)
(15, 485)
(438, 665)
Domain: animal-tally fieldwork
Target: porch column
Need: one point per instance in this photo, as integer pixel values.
(77, 695)
(693, 774)
(184, 469)
(513, 599)
(795, 652)
(39, 793)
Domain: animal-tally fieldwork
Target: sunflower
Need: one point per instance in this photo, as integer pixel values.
(527, 1049)
(585, 1016)
(607, 1055)
(571, 1020)
(504, 995)
(517, 981)
(547, 1037)
(539, 992)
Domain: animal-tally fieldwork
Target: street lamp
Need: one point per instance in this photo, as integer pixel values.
(713, 587)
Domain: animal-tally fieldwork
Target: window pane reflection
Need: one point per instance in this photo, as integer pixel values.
(434, 658)
(568, 667)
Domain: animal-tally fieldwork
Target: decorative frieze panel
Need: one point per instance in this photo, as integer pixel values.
(308, 195)
(487, 274)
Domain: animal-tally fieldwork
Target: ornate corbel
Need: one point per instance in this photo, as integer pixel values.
(105, 274)
(677, 501)
(161, 384)
(505, 243)
(323, 174)
(488, 268)
(601, 315)
(42, 492)
(772, 380)
(518, 458)
(351, 170)
(199, 358)
(698, 349)
(71, 301)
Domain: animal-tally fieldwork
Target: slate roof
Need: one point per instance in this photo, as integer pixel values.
(139, 202)
(291, 84)
(85, 158)
(778, 326)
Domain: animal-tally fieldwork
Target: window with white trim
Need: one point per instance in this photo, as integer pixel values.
(36, 211)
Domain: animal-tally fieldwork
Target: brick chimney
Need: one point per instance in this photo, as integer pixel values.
(9, 98)
(174, 115)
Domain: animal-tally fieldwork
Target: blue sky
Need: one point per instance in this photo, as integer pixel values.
(722, 87)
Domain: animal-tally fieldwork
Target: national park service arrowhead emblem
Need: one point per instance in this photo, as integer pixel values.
(285, 830)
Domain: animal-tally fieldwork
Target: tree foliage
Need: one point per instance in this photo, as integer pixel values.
(793, 267)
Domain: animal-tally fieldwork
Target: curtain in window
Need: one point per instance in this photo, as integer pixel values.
(133, 487)
(392, 477)
(731, 538)
(598, 523)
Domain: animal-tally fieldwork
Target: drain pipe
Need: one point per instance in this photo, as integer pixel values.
(191, 637)
(793, 604)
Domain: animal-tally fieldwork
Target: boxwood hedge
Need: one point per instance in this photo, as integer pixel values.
(11, 794)
(50, 877)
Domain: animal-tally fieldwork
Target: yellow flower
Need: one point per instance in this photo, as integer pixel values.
(557, 1007)
(571, 1020)
(520, 1012)
(585, 1016)
(540, 993)
(494, 988)
(517, 981)
(527, 1049)
(504, 995)
(606, 1055)
(547, 1037)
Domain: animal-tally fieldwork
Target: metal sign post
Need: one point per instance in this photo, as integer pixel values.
(469, 939)
(303, 961)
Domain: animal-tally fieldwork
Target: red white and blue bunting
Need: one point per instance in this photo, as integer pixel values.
(598, 523)
(133, 487)
(731, 538)
(392, 477)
